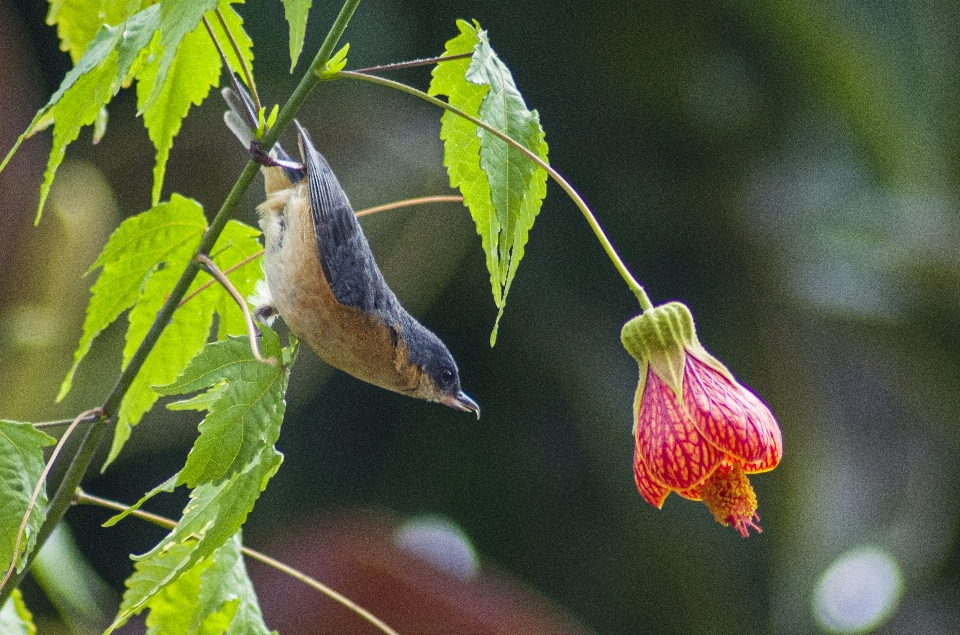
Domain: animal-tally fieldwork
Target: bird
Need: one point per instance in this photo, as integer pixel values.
(323, 281)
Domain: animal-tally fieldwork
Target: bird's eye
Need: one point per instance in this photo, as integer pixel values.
(446, 375)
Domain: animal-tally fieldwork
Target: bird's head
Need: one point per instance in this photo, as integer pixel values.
(440, 379)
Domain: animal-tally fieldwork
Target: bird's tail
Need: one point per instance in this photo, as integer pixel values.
(241, 120)
(241, 116)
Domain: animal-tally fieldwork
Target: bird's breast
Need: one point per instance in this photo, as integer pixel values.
(343, 336)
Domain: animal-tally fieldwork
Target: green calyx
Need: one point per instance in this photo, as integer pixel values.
(661, 337)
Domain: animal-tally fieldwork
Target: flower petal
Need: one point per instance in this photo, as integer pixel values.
(669, 445)
(771, 458)
(653, 492)
(730, 416)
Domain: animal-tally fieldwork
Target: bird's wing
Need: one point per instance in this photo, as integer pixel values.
(344, 252)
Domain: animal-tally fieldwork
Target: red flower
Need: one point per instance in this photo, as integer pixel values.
(698, 432)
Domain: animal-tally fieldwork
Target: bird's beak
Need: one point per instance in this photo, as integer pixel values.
(461, 401)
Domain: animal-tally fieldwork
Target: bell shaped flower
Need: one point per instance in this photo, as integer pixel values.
(698, 432)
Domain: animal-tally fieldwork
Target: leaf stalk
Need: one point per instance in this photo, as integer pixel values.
(588, 214)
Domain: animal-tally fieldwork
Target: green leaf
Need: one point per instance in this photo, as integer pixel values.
(189, 329)
(502, 188)
(247, 413)
(237, 33)
(174, 607)
(216, 511)
(79, 20)
(214, 596)
(88, 87)
(141, 264)
(226, 584)
(177, 19)
(213, 515)
(21, 465)
(295, 11)
(189, 76)
(167, 233)
(79, 107)
(517, 184)
(15, 619)
(194, 69)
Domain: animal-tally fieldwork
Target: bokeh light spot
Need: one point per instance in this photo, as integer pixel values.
(858, 592)
(439, 542)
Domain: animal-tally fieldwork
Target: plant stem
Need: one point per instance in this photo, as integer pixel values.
(81, 460)
(247, 318)
(414, 63)
(82, 497)
(632, 283)
(408, 203)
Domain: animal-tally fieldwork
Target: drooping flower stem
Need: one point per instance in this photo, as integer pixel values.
(635, 287)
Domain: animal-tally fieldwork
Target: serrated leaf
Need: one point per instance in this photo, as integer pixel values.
(79, 107)
(88, 87)
(237, 33)
(21, 465)
(15, 619)
(181, 340)
(213, 515)
(136, 248)
(247, 413)
(189, 329)
(295, 12)
(502, 188)
(78, 21)
(226, 583)
(190, 74)
(213, 597)
(177, 19)
(173, 608)
(194, 69)
(216, 511)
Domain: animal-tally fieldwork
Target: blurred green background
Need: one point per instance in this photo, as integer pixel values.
(787, 169)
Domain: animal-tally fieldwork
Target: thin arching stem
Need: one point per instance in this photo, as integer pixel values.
(41, 483)
(588, 214)
(423, 200)
(247, 318)
(82, 497)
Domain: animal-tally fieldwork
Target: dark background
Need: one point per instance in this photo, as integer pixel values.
(788, 170)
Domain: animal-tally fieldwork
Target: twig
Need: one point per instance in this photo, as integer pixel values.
(413, 63)
(243, 63)
(251, 328)
(226, 64)
(39, 488)
(409, 202)
(40, 425)
(209, 283)
(82, 497)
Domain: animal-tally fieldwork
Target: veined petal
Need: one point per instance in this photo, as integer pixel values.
(652, 492)
(668, 442)
(731, 417)
(772, 457)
